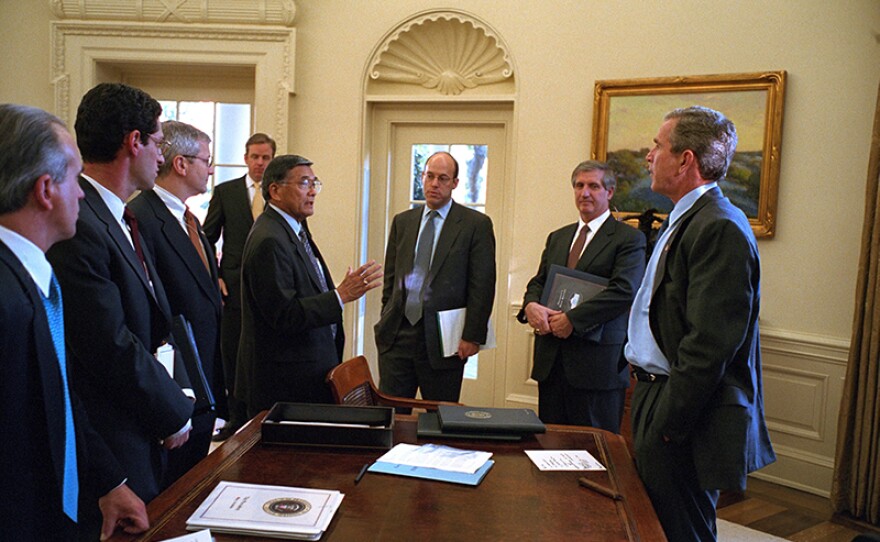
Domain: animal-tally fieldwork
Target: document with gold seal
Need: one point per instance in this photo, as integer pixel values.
(271, 511)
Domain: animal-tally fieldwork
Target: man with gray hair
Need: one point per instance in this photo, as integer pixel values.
(582, 377)
(698, 407)
(291, 333)
(52, 463)
(185, 262)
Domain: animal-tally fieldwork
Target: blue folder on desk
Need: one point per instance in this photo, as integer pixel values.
(433, 474)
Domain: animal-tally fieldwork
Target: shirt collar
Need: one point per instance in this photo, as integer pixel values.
(174, 204)
(31, 257)
(442, 211)
(596, 223)
(113, 202)
(292, 222)
(249, 181)
(688, 200)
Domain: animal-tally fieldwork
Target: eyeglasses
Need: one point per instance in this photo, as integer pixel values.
(310, 184)
(444, 179)
(161, 144)
(209, 161)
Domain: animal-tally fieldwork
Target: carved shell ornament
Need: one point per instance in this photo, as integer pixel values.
(443, 54)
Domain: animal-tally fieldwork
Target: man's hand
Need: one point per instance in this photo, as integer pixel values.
(560, 325)
(467, 349)
(358, 282)
(176, 440)
(122, 508)
(538, 317)
(223, 291)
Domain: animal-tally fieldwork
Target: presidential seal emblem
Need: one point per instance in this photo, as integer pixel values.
(477, 414)
(287, 507)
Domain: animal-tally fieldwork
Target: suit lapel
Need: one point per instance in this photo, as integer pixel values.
(181, 244)
(241, 201)
(114, 230)
(451, 228)
(299, 248)
(682, 223)
(47, 361)
(558, 251)
(599, 241)
(410, 223)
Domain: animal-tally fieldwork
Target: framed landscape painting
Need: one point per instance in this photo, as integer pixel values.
(628, 113)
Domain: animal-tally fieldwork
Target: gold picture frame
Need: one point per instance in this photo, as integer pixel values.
(628, 112)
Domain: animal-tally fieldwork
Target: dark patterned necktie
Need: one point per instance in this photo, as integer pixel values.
(317, 265)
(415, 283)
(132, 223)
(55, 317)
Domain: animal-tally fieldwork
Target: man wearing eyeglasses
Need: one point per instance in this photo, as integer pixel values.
(116, 314)
(439, 256)
(291, 314)
(185, 262)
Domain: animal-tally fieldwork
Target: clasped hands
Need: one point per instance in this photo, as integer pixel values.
(546, 321)
(359, 281)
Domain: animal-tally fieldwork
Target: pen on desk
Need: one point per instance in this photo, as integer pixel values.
(361, 473)
(598, 488)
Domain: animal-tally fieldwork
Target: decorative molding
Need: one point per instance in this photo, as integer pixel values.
(78, 47)
(259, 12)
(807, 395)
(819, 348)
(446, 51)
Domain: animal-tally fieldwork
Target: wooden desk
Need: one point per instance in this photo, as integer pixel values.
(515, 501)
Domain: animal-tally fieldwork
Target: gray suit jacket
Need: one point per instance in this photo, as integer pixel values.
(591, 356)
(462, 274)
(704, 316)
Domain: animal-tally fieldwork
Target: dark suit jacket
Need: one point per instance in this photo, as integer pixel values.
(115, 322)
(591, 355)
(229, 214)
(191, 289)
(704, 316)
(32, 417)
(287, 345)
(462, 274)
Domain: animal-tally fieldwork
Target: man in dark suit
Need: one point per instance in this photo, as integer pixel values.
(115, 306)
(185, 262)
(698, 407)
(451, 267)
(234, 207)
(291, 315)
(579, 366)
(50, 451)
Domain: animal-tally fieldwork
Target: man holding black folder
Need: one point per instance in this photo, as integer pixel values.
(581, 374)
(185, 262)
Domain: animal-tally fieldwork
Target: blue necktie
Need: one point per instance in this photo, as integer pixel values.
(55, 317)
(416, 281)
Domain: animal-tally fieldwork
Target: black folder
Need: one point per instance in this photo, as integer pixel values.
(566, 288)
(489, 420)
(181, 331)
(429, 427)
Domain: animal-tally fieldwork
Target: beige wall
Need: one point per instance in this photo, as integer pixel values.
(559, 49)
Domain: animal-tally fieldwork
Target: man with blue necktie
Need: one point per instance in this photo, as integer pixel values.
(698, 405)
(50, 450)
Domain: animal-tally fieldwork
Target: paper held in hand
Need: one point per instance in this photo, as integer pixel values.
(451, 324)
(270, 511)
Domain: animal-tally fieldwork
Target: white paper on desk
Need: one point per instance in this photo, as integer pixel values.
(436, 456)
(201, 536)
(564, 460)
(451, 324)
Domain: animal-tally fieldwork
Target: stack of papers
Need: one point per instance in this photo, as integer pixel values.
(435, 462)
(270, 511)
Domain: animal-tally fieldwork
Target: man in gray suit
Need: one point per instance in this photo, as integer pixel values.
(698, 407)
(582, 377)
(450, 267)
